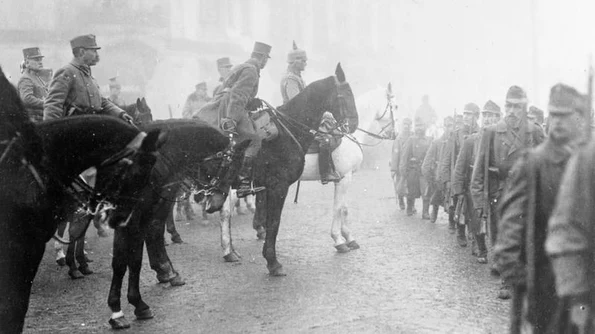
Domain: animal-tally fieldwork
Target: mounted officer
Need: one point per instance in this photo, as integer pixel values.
(74, 91)
(500, 147)
(230, 108)
(526, 207)
(115, 88)
(32, 86)
(292, 83)
(196, 100)
(224, 68)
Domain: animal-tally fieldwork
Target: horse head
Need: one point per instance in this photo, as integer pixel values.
(342, 102)
(144, 111)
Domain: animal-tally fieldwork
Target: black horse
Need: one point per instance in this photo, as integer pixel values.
(139, 111)
(38, 165)
(281, 161)
(194, 150)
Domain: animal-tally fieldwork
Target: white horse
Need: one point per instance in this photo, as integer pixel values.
(375, 114)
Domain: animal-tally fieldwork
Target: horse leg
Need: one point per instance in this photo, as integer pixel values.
(60, 256)
(80, 249)
(154, 240)
(341, 211)
(275, 199)
(229, 254)
(260, 215)
(171, 228)
(142, 311)
(119, 264)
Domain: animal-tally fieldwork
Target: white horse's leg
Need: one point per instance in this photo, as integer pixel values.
(339, 212)
(250, 203)
(229, 253)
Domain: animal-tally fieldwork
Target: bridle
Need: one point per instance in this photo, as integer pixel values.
(380, 135)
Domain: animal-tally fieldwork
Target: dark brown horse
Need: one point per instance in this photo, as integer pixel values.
(281, 161)
(194, 150)
(139, 111)
(38, 164)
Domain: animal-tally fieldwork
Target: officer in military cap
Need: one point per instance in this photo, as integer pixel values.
(115, 88)
(292, 83)
(224, 68)
(236, 99)
(74, 91)
(32, 86)
(501, 145)
(526, 207)
(196, 100)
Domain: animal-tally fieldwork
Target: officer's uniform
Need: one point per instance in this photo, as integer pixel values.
(292, 83)
(526, 207)
(74, 91)
(33, 88)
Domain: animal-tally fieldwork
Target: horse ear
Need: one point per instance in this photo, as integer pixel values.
(144, 101)
(154, 140)
(339, 73)
(137, 101)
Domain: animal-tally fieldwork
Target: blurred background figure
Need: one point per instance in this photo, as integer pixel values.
(196, 100)
(115, 88)
(224, 66)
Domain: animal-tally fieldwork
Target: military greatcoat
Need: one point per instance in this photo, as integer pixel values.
(33, 90)
(429, 169)
(525, 209)
(462, 177)
(73, 88)
(414, 152)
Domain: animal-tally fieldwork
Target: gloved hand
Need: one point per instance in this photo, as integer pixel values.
(126, 117)
(254, 104)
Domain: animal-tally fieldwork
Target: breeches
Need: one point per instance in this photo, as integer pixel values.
(246, 131)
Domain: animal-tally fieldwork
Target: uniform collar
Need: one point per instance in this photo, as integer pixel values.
(85, 69)
(254, 62)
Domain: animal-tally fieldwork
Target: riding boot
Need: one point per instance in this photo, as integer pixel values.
(461, 237)
(425, 214)
(452, 225)
(245, 177)
(434, 215)
(410, 206)
(482, 256)
(325, 163)
(401, 203)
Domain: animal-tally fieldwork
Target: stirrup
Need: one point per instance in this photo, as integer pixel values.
(241, 193)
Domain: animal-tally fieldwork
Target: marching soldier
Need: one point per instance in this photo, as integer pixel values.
(447, 164)
(429, 169)
(414, 151)
(500, 147)
(196, 100)
(224, 68)
(115, 88)
(395, 163)
(237, 96)
(74, 91)
(292, 83)
(33, 88)
(525, 209)
(462, 178)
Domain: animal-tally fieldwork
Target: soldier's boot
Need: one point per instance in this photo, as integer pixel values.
(461, 237)
(482, 256)
(505, 291)
(434, 214)
(245, 176)
(402, 203)
(425, 214)
(325, 164)
(410, 206)
(452, 225)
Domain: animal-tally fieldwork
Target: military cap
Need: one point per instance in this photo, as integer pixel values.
(491, 107)
(261, 48)
(536, 113)
(516, 95)
(84, 41)
(224, 62)
(201, 85)
(30, 53)
(565, 100)
(113, 83)
(296, 54)
(471, 108)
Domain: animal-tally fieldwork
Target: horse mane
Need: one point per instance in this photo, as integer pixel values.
(190, 129)
(311, 95)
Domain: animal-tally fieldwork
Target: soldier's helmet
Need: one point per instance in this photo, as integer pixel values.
(296, 54)
(516, 95)
(491, 107)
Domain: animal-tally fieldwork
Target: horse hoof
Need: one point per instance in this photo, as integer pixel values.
(144, 314)
(177, 239)
(119, 323)
(61, 262)
(342, 248)
(276, 270)
(75, 274)
(231, 257)
(177, 281)
(261, 233)
(353, 245)
(85, 270)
